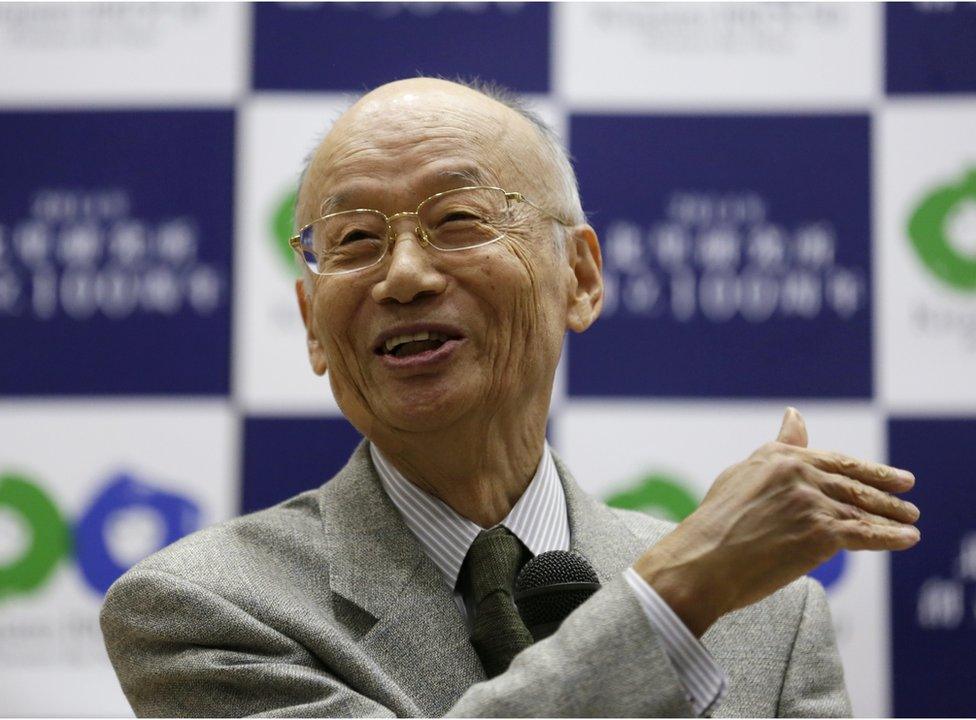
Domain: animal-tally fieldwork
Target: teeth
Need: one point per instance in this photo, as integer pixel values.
(400, 339)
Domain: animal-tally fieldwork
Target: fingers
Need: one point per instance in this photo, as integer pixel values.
(855, 528)
(793, 431)
(856, 494)
(792, 438)
(860, 516)
(883, 477)
(873, 533)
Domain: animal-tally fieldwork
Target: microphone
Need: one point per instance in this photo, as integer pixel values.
(550, 586)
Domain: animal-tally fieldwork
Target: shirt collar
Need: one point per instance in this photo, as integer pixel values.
(539, 518)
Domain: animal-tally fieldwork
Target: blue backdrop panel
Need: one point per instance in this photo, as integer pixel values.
(115, 252)
(284, 456)
(738, 248)
(356, 46)
(933, 602)
(930, 47)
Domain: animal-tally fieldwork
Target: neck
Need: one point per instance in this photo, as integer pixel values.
(479, 474)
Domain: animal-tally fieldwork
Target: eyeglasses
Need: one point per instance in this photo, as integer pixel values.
(459, 219)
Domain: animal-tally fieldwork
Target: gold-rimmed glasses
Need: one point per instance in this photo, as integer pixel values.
(459, 219)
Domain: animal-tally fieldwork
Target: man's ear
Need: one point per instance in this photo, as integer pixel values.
(316, 353)
(586, 263)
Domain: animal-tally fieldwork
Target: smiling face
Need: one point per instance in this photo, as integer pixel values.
(486, 324)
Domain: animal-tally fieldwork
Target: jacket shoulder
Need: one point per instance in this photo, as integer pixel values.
(258, 562)
(645, 527)
(757, 645)
(285, 539)
(770, 623)
(256, 538)
(787, 634)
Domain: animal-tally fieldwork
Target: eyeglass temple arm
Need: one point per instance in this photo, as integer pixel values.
(519, 197)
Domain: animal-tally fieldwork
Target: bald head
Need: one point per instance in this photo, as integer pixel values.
(483, 124)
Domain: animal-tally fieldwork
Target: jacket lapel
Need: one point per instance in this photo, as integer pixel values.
(596, 532)
(419, 637)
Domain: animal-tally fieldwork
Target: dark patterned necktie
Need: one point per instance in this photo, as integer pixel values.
(487, 577)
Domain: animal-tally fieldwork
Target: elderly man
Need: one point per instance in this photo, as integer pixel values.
(446, 254)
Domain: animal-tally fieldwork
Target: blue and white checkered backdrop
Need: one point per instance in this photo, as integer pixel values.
(786, 196)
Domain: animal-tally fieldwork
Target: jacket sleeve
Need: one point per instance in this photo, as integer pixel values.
(813, 685)
(180, 649)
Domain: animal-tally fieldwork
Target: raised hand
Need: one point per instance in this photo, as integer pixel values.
(772, 518)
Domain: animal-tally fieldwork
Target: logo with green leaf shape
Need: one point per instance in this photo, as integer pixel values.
(943, 232)
(282, 228)
(657, 494)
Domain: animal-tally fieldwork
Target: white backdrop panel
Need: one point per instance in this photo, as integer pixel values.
(122, 53)
(52, 657)
(927, 334)
(271, 366)
(647, 55)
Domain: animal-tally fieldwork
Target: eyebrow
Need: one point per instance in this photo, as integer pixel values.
(470, 175)
(473, 174)
(330, 204)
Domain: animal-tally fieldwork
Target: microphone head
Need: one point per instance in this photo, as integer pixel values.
(553, 567)
(550, 586)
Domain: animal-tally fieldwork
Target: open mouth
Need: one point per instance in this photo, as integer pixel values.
(405, 345)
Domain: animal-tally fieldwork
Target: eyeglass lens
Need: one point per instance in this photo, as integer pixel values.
(353, 240)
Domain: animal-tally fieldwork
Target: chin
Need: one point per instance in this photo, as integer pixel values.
(427, 409)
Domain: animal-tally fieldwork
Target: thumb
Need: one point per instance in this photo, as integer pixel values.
(793, 431)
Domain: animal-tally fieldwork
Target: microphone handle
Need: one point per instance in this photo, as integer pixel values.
(544, 608)
(544, 630)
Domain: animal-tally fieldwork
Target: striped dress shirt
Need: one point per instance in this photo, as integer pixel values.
(539, 519)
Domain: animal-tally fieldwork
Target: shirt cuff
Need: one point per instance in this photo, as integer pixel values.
(705, 682)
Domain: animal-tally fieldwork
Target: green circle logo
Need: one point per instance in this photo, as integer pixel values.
(944, 222)
(50, 535)
(282, 228)
(657, 494)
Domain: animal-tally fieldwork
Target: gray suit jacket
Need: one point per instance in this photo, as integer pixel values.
(326, 605)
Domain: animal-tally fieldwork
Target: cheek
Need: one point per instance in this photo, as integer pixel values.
(501, 276)
(525, 283)
(531, 267)
(336, 311)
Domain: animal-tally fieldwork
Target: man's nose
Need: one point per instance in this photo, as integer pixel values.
(410, 271)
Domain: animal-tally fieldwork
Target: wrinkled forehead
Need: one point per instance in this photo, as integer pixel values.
(391, 153)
